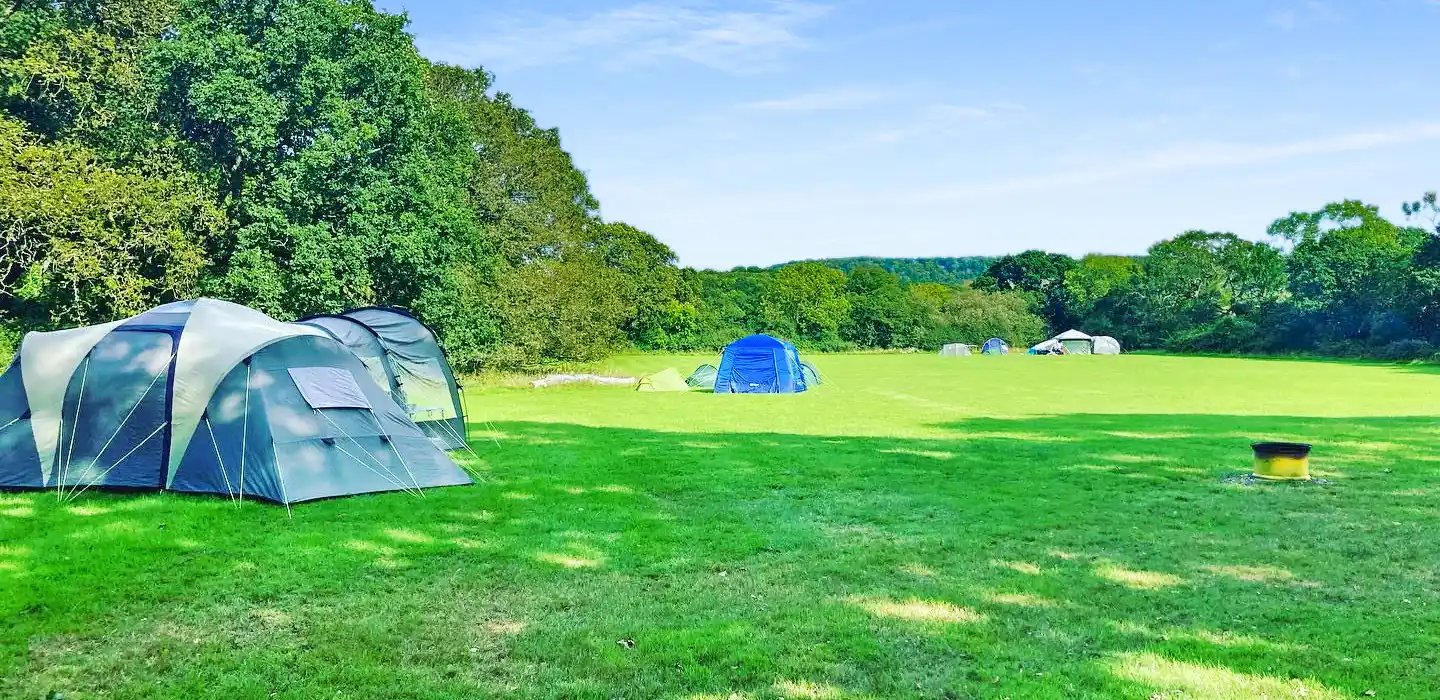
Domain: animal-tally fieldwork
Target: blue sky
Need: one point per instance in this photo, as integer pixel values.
(760, 131)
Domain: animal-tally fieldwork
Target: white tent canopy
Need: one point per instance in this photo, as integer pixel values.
(955, 349)
(1105, 345)
(1073, 342)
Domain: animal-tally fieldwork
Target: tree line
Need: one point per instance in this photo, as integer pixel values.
(300, 156)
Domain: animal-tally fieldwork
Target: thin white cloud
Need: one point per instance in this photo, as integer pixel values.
(730, 40)
(1308, 12)
(1284, 20)
(820, 101)
(941, 119)
(1191, 157)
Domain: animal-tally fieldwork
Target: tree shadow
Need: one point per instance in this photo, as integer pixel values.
(1070, 556)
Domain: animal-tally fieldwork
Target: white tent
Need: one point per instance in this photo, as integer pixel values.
(955, 349)
(1045, 347)
(1075, 342)
(1105, 345)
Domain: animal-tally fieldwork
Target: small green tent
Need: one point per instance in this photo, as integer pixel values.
(703, 377)
(667, 379)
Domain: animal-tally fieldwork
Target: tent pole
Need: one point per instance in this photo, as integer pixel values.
(121, 425)
(393, 478)
(276, 455)
(74, 495)
(79, 403)
(245, 435)
(229, 491)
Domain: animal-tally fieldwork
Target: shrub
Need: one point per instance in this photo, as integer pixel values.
(1406, 350)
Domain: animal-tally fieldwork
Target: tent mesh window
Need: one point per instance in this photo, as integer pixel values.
(329, 387)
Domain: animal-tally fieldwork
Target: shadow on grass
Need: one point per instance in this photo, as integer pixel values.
(1073, 556)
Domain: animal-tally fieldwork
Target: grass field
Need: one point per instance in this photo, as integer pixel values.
(924, 527)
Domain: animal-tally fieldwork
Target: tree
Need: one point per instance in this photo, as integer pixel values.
(1349, 272)
(1094, 278)
(312, 121)
(1038, 274)
(1190, 282)
(806, 303)
(659, 306)
(882, 313)
(972, 316)
(84, 243)
(1427, 208)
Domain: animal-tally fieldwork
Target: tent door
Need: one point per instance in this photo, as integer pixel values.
(115, 422)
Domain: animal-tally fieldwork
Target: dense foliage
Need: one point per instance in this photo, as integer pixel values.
(1338, 281)
(952, 271)
(300, 156)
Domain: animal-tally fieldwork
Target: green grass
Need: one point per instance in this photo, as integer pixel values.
(918, 527)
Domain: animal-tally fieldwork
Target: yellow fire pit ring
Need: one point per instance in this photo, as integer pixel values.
(1282, 461)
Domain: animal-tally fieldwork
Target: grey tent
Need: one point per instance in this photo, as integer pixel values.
(406, 360)
(812, 375)
(1075, 342)
(1105, 345)
(702, 378)
(210, 397)
(954, 349)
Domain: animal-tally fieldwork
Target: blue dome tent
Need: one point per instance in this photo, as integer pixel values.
(760, 364)
(995, 346)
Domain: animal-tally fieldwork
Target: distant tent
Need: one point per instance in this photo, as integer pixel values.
(954, 349)
(1105, 345)
(1076, 343)
(812, 375)
(702, 378)
(209, 397)
(405, 359)
(760, 364)
(1046, 347)
(994, 346)
(667, 379)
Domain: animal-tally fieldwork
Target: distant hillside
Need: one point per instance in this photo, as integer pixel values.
(943, 270)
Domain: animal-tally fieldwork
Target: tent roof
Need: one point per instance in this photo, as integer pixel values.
(1072, 334)
(759, 340)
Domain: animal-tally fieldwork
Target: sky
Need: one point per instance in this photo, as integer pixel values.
(753, 132)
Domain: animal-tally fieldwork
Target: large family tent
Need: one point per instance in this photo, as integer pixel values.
(994, 346)
(206, 397)
(1075, 342)
(406, 360)
(760, 364)
(1105, 345)
(703, 377)
(954, 349)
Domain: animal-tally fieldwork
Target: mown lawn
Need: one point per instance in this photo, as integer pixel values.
(928, 527)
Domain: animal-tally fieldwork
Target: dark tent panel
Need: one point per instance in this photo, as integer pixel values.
(19, 460)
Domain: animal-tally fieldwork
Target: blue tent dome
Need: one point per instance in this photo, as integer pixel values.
(760, 364)
(995, 346)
